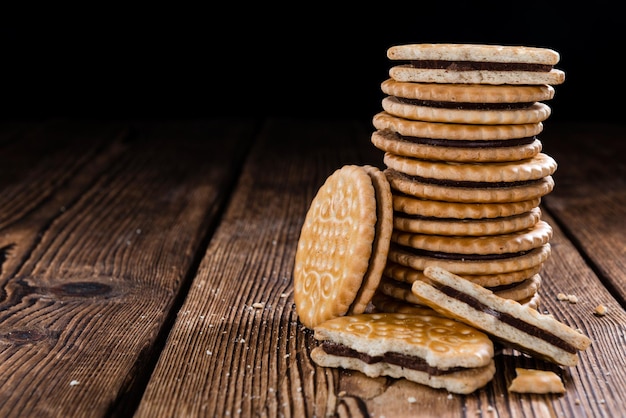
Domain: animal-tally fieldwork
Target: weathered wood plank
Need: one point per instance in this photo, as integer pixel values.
(589, 199)
(226, 357)
(100, 236)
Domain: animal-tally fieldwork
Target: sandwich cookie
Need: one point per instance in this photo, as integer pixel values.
(457, 151)
(485, 115)
(507, 321)
(343, 245)
(430, 350)
(475, 64)
(411, 205)
(466, 227)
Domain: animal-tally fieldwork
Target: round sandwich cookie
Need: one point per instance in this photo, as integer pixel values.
(343, 245)
(411, 205)
(469, 264)
(468, 113)
(515, 242)
(535, 168)
(468, 93)
(475, 64)
(408, 275)
(507, 321)
(428, 349)
(454, 150)
(467, 191)
(466, 227)
(455, 131)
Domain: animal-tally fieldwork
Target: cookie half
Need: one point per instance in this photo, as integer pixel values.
(342, 245)
(511, 323)
(430, 350)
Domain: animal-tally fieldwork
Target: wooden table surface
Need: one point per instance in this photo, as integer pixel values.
(133, 254)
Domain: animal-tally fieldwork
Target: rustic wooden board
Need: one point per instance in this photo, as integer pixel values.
(589, 198)
(99, 230)
(226, 357)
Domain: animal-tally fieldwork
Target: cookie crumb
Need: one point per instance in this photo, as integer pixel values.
(258, 305)
(577, 401)
(342, 394)
(601, 310)
(74, 383)
(572, 298)
(412, 399)
(561, 296)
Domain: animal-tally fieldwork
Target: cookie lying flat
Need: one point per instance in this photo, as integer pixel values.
(453, 150)
(431, 350)
(468, 93)
(506, 320)
(475, 64)
(343, 245)
(455, 131)
(469, 264)
(466, 227)
(515, 242)
(486, 115)
(467, 191)
(439, 209)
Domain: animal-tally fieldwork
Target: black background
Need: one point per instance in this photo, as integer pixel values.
(303, 61)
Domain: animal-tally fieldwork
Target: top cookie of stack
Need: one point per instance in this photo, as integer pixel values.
(459, 128)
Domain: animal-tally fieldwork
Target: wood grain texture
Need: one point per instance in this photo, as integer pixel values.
(589, 198)
(99, 236)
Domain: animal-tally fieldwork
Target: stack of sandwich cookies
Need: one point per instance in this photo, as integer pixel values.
(459, 128)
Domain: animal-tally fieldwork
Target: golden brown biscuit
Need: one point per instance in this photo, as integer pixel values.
(508, 321)
(431, 350)
(454, 150)
(468, 93)
(466, 227)
(338, 251)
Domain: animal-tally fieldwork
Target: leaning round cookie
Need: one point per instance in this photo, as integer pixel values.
(533, 113)
(454, 131)
(468, 93)
(464, 264)
(469, 192)
(466, 227)
(535, 168)
(456, 151)
(335, 246)
(515, 242)
(411, 205)
(382, 239)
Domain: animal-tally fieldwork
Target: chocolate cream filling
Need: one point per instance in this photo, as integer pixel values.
(479, 66)
(398, 359)
(452, 143)
(470, 184)
(507, 318)
(463, 105)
